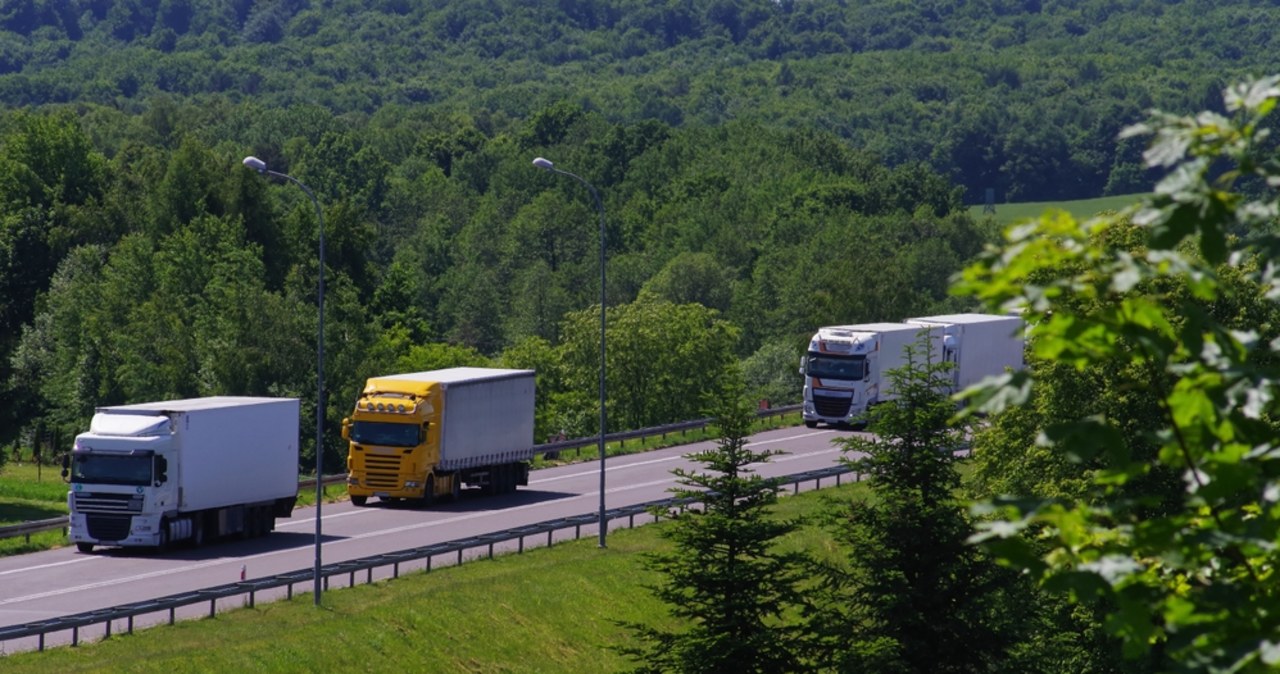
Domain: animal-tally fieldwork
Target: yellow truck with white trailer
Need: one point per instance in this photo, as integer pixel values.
(420, 436)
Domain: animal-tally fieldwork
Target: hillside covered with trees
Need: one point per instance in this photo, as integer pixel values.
(765, 167)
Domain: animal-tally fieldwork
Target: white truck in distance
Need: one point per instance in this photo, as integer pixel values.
(152, 474)
(846, 367)
(980, 345)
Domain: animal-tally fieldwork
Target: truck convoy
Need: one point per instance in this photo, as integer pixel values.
(153, 474)
(419, 436)
(846, 367)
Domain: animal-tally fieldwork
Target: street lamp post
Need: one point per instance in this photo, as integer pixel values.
(261, 167)
(546, 165)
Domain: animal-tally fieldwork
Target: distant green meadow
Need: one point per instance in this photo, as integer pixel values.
(1007, 214)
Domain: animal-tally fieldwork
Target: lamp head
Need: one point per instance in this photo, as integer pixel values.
(256, 164)
(544, 164)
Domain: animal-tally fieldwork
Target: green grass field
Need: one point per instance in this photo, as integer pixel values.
(1007, 214)
(548, 610)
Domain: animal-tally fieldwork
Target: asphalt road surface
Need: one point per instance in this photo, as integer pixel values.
(61, 582)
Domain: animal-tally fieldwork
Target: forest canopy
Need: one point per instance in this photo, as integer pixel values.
(764, 167)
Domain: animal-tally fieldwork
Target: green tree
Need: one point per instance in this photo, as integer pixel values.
(664, 362)
(724, 579)
(1188, 584)
(771, 374)
(911, 594)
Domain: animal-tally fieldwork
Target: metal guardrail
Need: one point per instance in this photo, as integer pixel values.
(250, 588)
(39, 526)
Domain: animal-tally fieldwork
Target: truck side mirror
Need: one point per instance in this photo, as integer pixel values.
(804, 364)
(346, 429)
(162, 470)
(66, 468)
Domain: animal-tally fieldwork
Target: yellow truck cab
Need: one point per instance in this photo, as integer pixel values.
(421, 435)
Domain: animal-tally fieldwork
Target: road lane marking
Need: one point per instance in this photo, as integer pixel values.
(383, 532)
(46, 566)
(679, 457)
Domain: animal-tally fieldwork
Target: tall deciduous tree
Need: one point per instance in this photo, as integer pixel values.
(912, 595)
(666, 362)
(724, 578)
(1190, 584)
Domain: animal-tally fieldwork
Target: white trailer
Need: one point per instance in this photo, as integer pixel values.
(980, 345)
(845, 369)
(157, 473)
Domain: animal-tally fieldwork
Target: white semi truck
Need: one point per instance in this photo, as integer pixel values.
(419, 436)
(846, 367)
(153, 474)
(980, 345)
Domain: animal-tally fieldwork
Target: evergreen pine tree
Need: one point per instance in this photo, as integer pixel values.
(723, 578)
(910, 594)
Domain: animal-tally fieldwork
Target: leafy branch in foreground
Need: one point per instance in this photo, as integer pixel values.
(1192, 582)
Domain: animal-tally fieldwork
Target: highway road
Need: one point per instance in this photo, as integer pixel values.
(60, 582)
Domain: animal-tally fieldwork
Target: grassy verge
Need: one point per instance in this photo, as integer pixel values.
(31, 492)
(547, 610)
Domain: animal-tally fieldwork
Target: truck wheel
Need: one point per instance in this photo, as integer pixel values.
(359, 501)
(86, 548)
(197, 531)
(164, 536)
(501, 479)
(259, 522)
(455, 490)
(429, 491)
(810, 424)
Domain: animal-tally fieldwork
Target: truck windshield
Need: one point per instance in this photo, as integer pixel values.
(109, 469)
(827, 366)
(384, 433)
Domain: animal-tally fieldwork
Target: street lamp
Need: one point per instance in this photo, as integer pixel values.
(261, 167)
(546, 165)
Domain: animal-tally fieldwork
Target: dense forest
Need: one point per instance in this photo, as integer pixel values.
(765, 167)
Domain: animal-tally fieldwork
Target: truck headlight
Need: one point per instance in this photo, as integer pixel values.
(411, 484)
(353, 481)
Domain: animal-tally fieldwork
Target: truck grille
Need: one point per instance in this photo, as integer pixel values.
(827, 406)
(108, 503)
(109, 527)
(381, 472)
